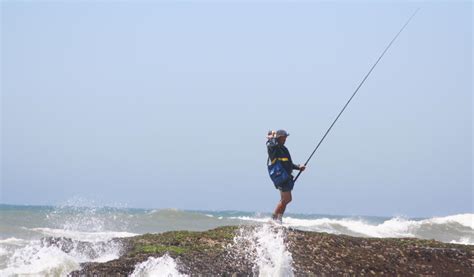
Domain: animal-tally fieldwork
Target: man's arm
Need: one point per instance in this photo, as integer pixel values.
(272, 144)
(299, 167)
(271, 139)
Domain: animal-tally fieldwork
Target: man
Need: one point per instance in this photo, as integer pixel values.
(278, 151)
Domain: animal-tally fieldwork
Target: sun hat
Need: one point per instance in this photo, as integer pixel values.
(282, 133)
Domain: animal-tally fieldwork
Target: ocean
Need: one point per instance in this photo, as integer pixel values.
(23, 227)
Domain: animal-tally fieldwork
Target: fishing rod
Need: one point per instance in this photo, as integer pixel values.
(356, 90)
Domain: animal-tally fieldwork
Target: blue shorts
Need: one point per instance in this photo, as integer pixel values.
(286, 186)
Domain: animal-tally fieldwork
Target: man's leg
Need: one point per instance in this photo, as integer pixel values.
(280, 208)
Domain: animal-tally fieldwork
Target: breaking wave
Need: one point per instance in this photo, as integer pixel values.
(450, 229)
(161, 266)
(74, 236)
(56, 258)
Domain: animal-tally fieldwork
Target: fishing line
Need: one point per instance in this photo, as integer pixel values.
(356, 90)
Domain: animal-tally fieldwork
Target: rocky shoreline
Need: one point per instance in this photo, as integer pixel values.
(215, 253)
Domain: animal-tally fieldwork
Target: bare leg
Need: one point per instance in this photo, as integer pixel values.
(281, 207)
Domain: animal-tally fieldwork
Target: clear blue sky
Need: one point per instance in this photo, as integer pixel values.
(166, 105)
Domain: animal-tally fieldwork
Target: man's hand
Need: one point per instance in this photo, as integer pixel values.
(271, 134)
(302, 167)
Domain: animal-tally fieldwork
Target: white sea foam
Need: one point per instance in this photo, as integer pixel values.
(161, 266)
(88, 240)
(463, 219)
(388, 228)
(265, 246)
(463, 240)
(461, 227)
(36, 260)
(14, 241)
(83, 236)
(3, 251)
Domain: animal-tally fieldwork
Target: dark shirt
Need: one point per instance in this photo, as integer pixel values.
(277, 151)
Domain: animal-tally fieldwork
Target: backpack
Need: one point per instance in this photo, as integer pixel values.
(277, 173)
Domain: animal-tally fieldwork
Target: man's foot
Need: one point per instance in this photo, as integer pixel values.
(277, 218)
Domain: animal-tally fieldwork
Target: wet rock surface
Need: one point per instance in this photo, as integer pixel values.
(215, 253)
(329, 255)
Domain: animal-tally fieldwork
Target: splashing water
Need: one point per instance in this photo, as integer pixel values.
(162, 266)
(58, 257)
(265, 246)
(35, 259)
(74, 236)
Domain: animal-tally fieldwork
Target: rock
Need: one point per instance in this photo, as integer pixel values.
(210, 253)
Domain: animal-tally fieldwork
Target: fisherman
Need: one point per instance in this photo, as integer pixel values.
(277, 151)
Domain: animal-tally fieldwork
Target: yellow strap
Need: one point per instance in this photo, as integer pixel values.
(280, 159)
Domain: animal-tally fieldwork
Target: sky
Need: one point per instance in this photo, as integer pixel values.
(167, 104)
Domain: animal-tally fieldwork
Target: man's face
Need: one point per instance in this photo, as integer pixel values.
(281, 140)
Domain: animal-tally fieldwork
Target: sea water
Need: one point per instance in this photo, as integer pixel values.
(22, 250)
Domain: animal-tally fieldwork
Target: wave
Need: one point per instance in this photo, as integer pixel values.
(464, 240)
(463, 219)
(33, 260)
(13, 241)
(450, 229)
(83, 236)
(56, 257)
(68, 237)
